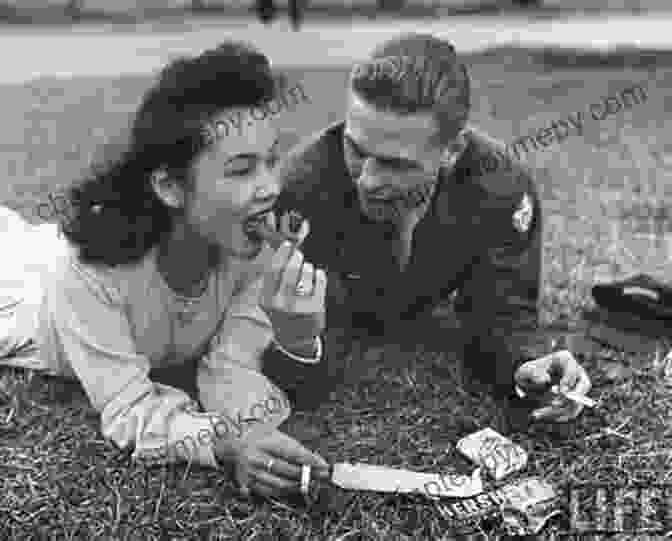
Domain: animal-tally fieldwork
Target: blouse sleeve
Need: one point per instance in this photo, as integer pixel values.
(88, 324)
(230, 379)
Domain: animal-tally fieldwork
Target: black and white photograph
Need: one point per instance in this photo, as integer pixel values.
(328, 270)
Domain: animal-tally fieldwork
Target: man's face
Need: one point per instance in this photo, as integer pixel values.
(393, 159)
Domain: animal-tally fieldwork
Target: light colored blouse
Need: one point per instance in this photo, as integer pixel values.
(109, 326)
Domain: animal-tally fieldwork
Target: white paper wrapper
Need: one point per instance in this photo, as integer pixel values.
(384, 479)
(496, 453)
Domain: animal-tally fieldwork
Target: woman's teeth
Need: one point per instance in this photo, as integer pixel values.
(253, 222)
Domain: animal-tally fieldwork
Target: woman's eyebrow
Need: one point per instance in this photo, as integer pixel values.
(251, 155)
(245, 156)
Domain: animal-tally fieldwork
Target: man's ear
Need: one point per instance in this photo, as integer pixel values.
(167, 189)
(460, 143)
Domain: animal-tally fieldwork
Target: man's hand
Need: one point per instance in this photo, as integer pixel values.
(536, 377)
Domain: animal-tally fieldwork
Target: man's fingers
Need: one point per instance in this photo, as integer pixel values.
(533, 376)
(557, 413)
(577, 381)
(583, 385)
(560, 364)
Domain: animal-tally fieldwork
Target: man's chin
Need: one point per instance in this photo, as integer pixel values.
(376, 214)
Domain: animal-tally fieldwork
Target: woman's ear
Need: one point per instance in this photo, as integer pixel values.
(167, 189)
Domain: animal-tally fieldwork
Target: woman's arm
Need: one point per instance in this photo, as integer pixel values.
(230, 378)
(87, 321)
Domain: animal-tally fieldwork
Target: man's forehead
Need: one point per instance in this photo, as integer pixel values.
(386, 129)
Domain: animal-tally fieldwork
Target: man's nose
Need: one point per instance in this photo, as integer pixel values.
(368, 182)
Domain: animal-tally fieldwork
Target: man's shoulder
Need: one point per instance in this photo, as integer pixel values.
(309, 165)
(490, 165)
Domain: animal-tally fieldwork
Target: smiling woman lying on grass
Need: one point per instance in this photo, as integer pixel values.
(163, 268)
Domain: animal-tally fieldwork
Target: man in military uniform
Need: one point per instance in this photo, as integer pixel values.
(408, 204)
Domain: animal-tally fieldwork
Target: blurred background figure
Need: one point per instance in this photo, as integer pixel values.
(266, 10)
(74, 7)
(528, 3)
(296, 13)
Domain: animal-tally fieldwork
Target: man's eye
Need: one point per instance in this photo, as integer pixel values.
(354, 149)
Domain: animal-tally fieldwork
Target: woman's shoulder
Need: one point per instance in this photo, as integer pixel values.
(110, 283)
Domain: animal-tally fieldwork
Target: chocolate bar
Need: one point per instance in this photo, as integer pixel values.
(526, 514)
(525, 505)
(497, 454)
(274, 237)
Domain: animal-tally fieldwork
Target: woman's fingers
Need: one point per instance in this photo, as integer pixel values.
(292, 273)
(276, 482)
(274, 273)
(286, 448)
(279, 468)
(305, 285)
(320, 285)
(304, 231)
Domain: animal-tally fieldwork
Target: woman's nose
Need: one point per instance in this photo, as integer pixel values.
(269, 189)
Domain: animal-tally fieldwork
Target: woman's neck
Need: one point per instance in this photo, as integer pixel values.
(185, 260)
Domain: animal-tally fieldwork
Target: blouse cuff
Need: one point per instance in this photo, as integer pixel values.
(314, 360)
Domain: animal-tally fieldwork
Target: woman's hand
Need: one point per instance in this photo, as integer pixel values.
(536, 377)
(293, 297)
(269, 465)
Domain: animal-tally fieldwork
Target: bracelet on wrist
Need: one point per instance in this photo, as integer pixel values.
(306, 360)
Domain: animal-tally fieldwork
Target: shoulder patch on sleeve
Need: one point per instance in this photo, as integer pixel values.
(522, 217)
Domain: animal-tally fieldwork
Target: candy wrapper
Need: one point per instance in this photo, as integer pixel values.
(527, 512)
(497, 454)
(523, 507)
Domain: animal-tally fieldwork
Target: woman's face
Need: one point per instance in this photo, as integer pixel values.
(235, 183)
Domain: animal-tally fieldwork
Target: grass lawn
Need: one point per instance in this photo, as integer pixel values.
(606, 192)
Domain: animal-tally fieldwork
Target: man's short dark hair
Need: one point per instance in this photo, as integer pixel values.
(416, 73)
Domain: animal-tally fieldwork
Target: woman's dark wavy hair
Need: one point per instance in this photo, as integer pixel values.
(116, 217)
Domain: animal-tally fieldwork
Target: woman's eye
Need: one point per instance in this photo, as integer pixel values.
(272, 160)
(242, 172)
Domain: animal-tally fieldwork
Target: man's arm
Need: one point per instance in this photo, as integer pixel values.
(498, 302)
